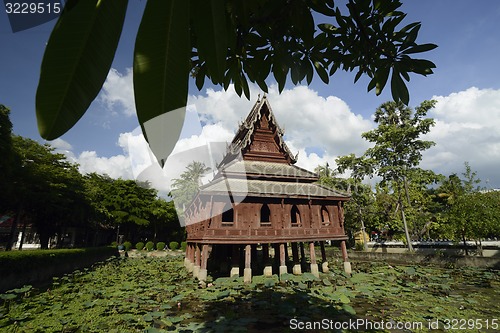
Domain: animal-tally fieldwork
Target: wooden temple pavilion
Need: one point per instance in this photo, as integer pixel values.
(260, 198)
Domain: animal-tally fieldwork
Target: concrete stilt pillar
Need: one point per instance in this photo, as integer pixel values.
(235, 261)
(197, 260)
(347, 264)
(192, 258)
(283, 268)
(247, 272)
(314, 265)
(186, 257)
(188, 261)
(324, 264)
(205, 253)
(296, 270)
(268, 269)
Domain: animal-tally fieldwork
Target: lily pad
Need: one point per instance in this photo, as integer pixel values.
(349, 309)
(344, 299)
(223, 294)
(7, 297)
(307, 277)
(410, 270)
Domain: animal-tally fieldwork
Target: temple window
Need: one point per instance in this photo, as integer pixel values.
(265, 216)
(295, 216)
(228, 215)
(325, 216)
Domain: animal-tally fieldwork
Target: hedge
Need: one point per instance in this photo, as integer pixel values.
(32, 266)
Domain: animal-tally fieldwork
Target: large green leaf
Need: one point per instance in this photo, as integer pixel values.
(76, 62)
(161, 73)
(211, 32)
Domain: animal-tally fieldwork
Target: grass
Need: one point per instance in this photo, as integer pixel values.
(158, 295)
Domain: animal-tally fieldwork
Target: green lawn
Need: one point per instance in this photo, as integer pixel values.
(157, 295)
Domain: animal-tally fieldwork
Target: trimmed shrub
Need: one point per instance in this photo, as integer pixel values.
(139, 246)
(127, 246)
(174, 245)
(184, 246)
(150, 245)
(27, 267)
(160, 246)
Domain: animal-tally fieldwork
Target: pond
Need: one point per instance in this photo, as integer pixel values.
(158, 295)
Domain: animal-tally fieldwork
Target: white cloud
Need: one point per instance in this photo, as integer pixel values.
(117, 166)
(310, 120)
(118, 91)
(318, 128)
(466, 130)
(61, 145)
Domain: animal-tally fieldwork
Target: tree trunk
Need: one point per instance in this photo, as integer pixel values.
(13, 234)
(465, 244)
(23, 236)
(407, 234)
(44, 240)
(406, 191)
(363, 232)
(479, 246)
(408, 240)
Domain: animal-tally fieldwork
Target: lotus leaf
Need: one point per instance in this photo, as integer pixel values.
(306, 277)
(327, 282)
(349, 309)
(7, 297)
(410, 270)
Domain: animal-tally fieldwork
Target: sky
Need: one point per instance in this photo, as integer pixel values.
(321, 122)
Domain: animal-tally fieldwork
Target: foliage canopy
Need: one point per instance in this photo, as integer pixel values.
(226, 42)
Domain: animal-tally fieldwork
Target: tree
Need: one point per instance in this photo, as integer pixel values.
(471, 213)
(48, 188)
(131, 208)
(227, 42)
(185, 188)
(7, 162)
(475, 216)
(470, 183)
(324, 171)
(129, 203)
(398, 149)
(164, 221)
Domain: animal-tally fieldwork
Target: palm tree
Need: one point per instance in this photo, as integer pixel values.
(187, 185)
(324, 170)
(194, 171)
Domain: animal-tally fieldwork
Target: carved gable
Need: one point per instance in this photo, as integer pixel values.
(260, 138)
